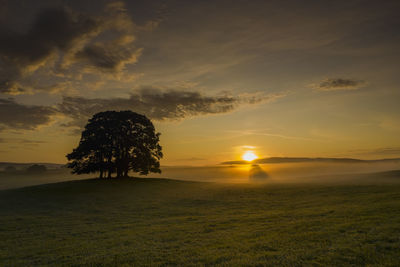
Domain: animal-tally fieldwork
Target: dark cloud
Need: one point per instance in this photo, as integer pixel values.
(108, 57)
(68, 43)
(54, 29)
(115, 49)
(18, 116)
(159, 105)
(154, 103)
(339, 84)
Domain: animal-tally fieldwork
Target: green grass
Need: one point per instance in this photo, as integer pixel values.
(165, 222)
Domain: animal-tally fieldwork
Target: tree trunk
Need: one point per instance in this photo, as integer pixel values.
(109, 167)
(101, 174)
(119, 172)
(125, 163)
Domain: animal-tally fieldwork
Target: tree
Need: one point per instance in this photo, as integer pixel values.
(36, 168)
(10, 169)
(117, 142)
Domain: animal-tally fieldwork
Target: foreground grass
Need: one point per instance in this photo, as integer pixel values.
(165, 222)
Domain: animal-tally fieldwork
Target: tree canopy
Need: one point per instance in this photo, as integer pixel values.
(117, 142)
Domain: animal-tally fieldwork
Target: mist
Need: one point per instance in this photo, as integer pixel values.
(308, 172)
(22, 178)
(314, 172)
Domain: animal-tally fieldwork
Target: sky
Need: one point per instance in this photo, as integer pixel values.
(217, 78)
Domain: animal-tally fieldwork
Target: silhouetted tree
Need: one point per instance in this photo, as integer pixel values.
(117, 142)
(9, 169)
(36, 168)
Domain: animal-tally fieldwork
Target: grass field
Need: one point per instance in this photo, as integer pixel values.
(166, 222)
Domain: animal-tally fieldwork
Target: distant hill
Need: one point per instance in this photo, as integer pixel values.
(296, 160)
(22, 166)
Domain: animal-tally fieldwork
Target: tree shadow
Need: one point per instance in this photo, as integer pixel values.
(257, 174)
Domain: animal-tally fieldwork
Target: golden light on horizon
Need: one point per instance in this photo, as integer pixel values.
(249, 156)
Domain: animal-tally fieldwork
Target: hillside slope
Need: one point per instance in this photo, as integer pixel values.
(167, 222)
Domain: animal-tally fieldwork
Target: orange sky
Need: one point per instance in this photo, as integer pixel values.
(284, 78)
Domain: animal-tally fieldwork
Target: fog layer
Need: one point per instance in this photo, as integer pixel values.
(343, 173)
(282, 172)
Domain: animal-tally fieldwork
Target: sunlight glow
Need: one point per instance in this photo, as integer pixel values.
(249, 156)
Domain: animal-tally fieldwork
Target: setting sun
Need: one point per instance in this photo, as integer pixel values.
(249, 156)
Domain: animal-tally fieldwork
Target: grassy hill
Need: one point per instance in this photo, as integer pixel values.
(166, 222)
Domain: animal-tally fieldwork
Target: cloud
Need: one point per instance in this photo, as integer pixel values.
(338, 84)
(385, 151)
(108, 57)
(267, 133)
(278, 160)
(66, 44)
(192, 159)
(153, 102)
(22, 141)
(116, 46)
(160, 105)
(18, 116)
(54, 29)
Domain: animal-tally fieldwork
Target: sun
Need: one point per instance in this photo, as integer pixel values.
(249, 156)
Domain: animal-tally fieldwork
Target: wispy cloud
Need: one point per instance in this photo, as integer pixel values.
(192, 159)
(266, 133)
(384, 151)
(17, 143)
